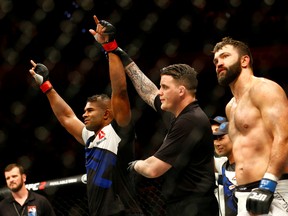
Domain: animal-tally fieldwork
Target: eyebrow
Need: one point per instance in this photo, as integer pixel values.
(220, 55)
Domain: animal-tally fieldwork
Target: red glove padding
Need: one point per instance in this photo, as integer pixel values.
(46, 86)
(110, 46)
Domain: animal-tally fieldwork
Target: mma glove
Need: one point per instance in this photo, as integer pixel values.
(111, 45)
(260, 199)
(110, 30)
(41, 77)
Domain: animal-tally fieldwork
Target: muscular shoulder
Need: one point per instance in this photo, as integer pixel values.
(265, 90)
(263, 85)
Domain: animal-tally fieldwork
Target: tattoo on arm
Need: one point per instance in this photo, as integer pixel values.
(143, 85)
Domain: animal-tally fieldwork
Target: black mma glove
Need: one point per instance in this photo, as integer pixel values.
(110, 30)
(41, 77)
(131, 165)
(111, 45)
(260, 199)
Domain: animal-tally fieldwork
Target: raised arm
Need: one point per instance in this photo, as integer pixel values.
(119, 99)
(61, 109)
(105, 34)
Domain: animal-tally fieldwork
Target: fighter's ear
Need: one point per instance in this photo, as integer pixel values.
(108, 114)
(245, 61)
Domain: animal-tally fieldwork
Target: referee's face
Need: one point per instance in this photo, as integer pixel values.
(171, 94)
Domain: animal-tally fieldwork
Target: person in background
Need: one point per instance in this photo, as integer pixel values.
(215, 122)
(186, 156)
(108, 135)
(225, 167)
(22, 201)
(219, 191)
(257, 115)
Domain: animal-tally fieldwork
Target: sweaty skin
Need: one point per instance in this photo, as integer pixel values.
(257, 115)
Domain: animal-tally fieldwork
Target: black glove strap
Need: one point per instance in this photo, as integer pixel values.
(126, 60)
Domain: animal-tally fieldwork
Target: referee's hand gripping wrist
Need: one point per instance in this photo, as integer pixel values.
(131, 166)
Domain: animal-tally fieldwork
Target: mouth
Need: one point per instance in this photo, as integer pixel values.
(220, 71)
(219, 74)
(220, 149)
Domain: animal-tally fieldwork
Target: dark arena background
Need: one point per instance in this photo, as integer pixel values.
(155, 34)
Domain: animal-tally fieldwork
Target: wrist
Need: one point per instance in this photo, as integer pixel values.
(126, 60)
(46, 86)
(269, 182)
(134, 167)
(110, 46)
(271, 177)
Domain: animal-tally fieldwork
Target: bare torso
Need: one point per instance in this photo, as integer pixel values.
(250, 132)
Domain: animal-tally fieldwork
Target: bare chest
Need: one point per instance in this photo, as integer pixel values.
(243, 116)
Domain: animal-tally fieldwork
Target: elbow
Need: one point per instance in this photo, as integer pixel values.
(152, 173)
